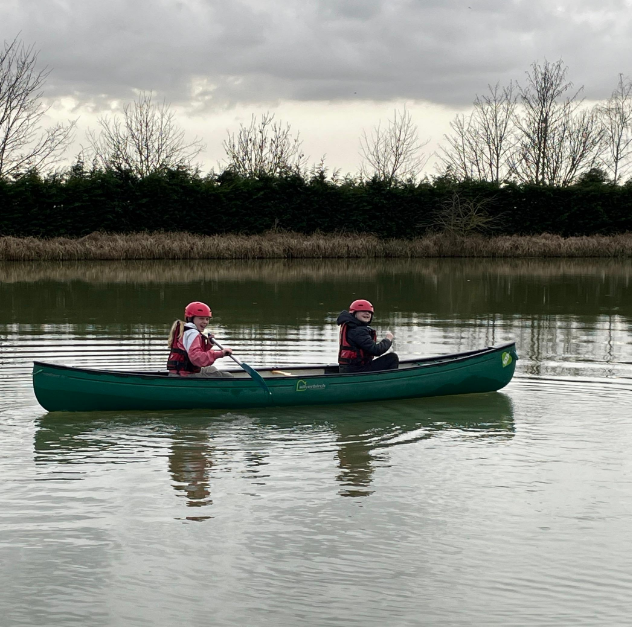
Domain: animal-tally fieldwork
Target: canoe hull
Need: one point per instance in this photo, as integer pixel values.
(62, 388)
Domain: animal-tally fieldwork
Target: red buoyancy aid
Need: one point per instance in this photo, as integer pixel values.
(353, 356)
(178, 360)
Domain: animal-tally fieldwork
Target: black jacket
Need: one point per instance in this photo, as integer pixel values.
(359, 335)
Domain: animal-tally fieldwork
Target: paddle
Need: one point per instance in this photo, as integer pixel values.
(249, 369)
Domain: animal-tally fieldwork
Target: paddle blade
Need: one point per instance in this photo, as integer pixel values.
(256, 376)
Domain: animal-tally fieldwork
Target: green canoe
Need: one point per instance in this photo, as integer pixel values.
(64, 388)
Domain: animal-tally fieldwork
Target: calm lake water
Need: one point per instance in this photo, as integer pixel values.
(513, 508)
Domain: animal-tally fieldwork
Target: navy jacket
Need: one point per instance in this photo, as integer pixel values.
(359, 335)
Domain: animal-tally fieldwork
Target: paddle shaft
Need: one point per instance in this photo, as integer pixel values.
(239, 363)
(249, 369)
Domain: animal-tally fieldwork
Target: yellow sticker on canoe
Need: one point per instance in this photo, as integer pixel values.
(507, 359)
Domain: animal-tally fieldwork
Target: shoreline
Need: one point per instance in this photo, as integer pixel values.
(281, 271)
(287, 245)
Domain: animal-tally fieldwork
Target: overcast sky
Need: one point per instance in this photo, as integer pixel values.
(328, 67)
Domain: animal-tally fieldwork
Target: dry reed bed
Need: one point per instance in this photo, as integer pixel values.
(173, 246)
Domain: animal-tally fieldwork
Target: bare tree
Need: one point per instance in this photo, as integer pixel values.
(145, 139)
(541, 117)
(24, 144)
(576, 147)
(264, 148)
(461, 156)
(543, 135)
(460, 216)
(557, 141)
(481, 143)
(616, 117)
(394, 153)
(494, 117)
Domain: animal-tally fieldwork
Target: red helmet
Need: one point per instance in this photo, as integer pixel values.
(197, 309)
(361, 305)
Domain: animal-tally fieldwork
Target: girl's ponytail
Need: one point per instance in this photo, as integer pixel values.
(177, 331)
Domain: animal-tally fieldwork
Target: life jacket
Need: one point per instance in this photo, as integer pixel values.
(178, 360)
(352, 355)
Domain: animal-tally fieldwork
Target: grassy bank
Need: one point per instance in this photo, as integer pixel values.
(173, 246)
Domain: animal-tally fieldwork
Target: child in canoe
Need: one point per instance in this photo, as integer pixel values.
(192, 351)
(358, 345)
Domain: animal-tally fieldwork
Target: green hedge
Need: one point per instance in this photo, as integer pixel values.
(83, 202)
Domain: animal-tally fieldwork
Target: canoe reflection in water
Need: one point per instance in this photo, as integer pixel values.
(206, 448)
(364, 439)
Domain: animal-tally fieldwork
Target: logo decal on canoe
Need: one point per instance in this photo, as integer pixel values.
(507, 359)
(303, 386)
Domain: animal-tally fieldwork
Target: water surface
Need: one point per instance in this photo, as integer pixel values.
(511, 508)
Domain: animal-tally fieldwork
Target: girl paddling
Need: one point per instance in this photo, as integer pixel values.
(192, 352)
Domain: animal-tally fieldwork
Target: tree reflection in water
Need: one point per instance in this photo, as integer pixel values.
(560, 312)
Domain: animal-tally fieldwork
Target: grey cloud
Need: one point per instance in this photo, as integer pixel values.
(357, 10)
(443, 51)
